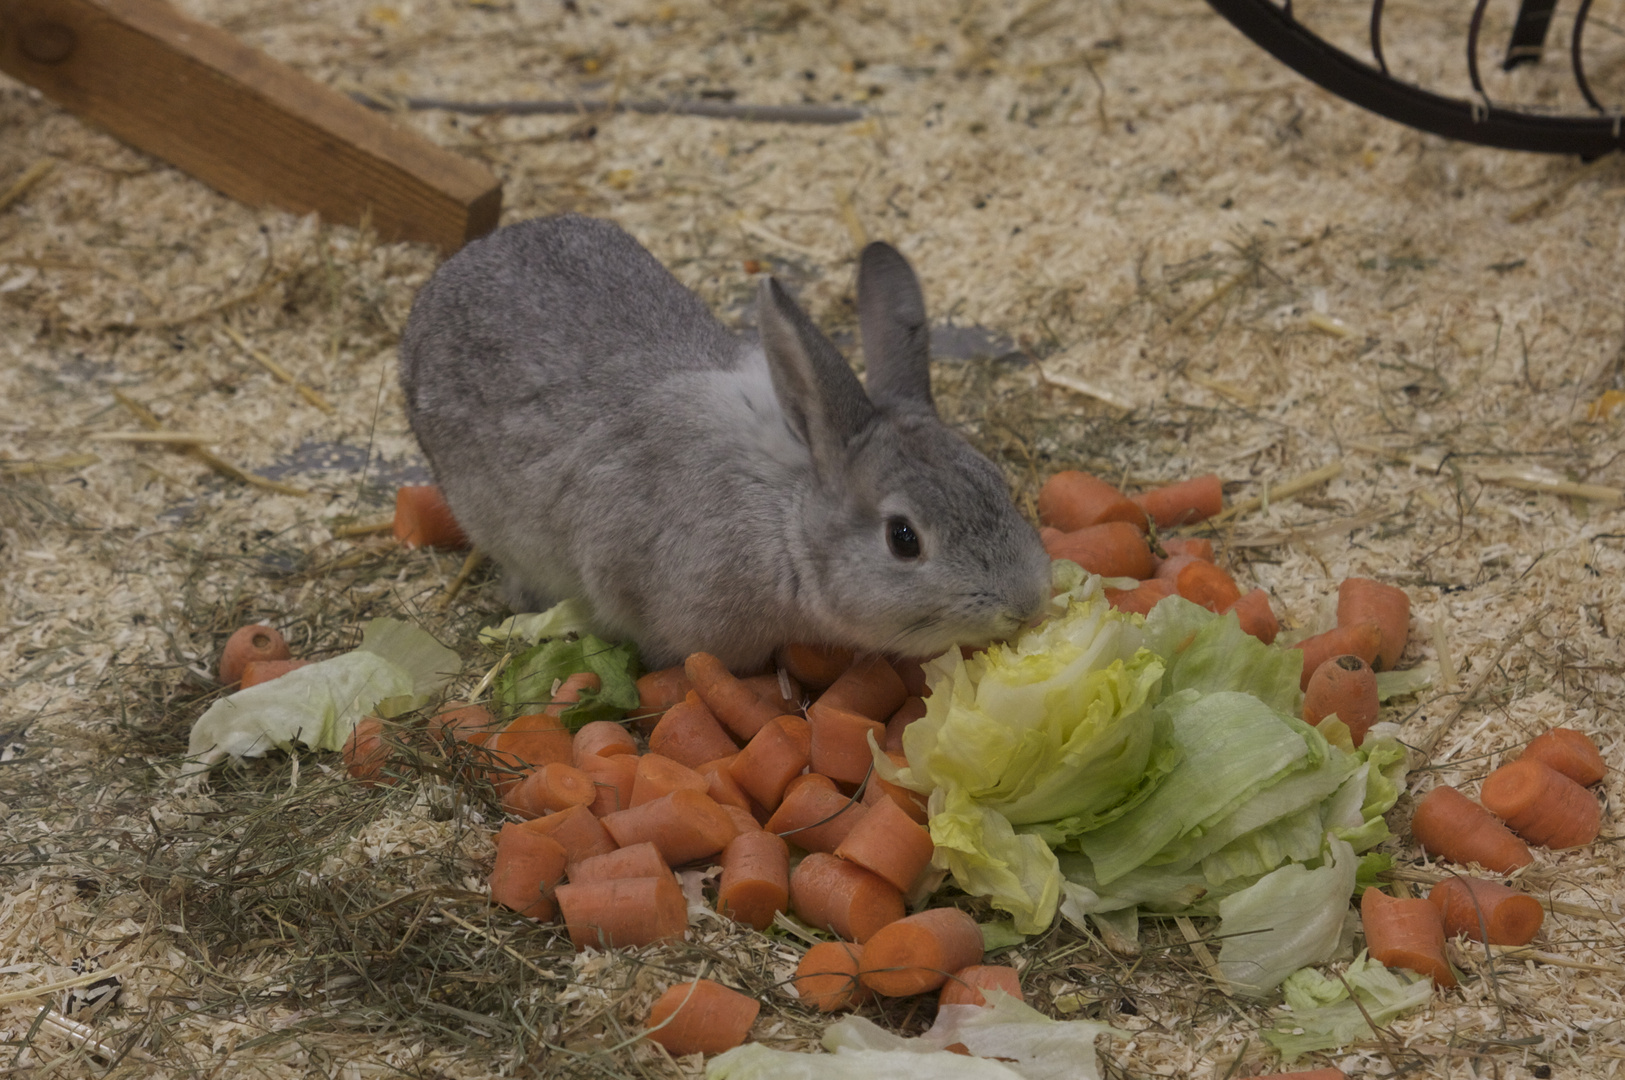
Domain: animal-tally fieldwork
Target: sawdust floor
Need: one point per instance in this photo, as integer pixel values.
(1248, 277)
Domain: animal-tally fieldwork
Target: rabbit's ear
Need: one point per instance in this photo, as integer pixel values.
(896, 339)
(822, 399)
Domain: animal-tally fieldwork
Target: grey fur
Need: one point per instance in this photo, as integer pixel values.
(599, 434)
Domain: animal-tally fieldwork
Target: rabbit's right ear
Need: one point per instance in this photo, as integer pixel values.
(821, 397)
(896, 337)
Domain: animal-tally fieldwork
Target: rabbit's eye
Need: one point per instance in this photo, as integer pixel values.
(902, 539)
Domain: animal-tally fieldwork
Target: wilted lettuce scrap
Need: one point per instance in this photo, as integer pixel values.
(526, 684)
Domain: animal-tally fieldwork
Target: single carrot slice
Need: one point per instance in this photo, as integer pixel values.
(1142, 598)
(690, 734)
(537, 738)
(256, 641)
(463, 723)
(1487, 911)
(965, 986)
(422, 518)
(1569, 752)
(638, 860)
(618, 913)
(734, 704)
(911, 710)
(890, 843)
(1199, 547)
(910, 670)
(1361, 600)
(1196, 499)
(870, 687)
(612, 779)
(262, 671)
(880, 789)
(826, 979)
(755, 878)
(815, 817)
(1253, 611)
(833, 894)
(580, 834)
(1405, 933)
(1168, 569)
(1204, 584)
(814, 666)
(840, 742)
(786, 699)
(365, 751)
(916, 954)
(1344, 685)
(1362, 641)
(657, 692)
(685, 825)
(744, 820)
(601, 738)
(773, 757)
(1114, 549)
(1072, 500)
(658, 776)
(721, 785)
(701, 1017)
(1448, 824)
(1541, 805)
(554, 786)
(529, 867)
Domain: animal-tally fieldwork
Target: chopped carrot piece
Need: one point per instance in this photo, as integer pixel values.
(1072, 500)
(685, 825)
(733, 703)
(1569, 752)
(1541, 805)
(1253, 611)
(529, 867)
(657, 692)
(910, 670)
(422, 518)
(601, 738)
(755, 882)
(637, 860)
(880, 789)
(580, 834)
(554, 786)
(814, 666)
(1487, 911)
(744, 820)
(262, 671)
(690, 734)
(537, 738)
(785, 699)
(256, 641)
(890, 843)
(1114, 549)
(618, 913)
(1361, 600)
(463, 723)
(815, 817)
(1184, 503)
(1344, 685)
(870, 687)
(826, 979)
(844, 898)
(1204, 584)
(1362, 641)
(917, 954)
(911, 710)
(1142, 598)
(365, 751)
(1448, 824)
(1199, 547)
(773, 757)
(701, 1017)
(840, 742)
(658, 776)
(613, 778)
(721, 785)
(1405, 933)
(965, 986)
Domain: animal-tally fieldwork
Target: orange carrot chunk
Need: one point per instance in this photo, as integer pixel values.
(580, 834)
(261, 671)
(602, 738)
(910, 670)
(1142, 598)
(1541, 805)
(1487, 911)
(1569, 752)
(1199, 547)
(1072, 500)
(1347, 686)
(1253, 611)
(463, 723)
(736, 705)
(1196, 499)
(827, 977)
(685, 825)
(657, 692)
(638, 860)
(618, 913)
(745, 820)
(774, 756)
(257, 641)
(658, 776)
(365, 751)
(1114, 549)
(965, 986)
(880, 789)
(917, 954)
(689, 734)
(815, 817)
(911, 710)
(554, 786)
(814, 666)
(755, 882)
(1448, 824)
(701, 1017)
(1405, 933)
(612, 779)
(529, 867)
(785, 699)
(1361, 600)
(844, 898)
(840, 742)
(537, 738)
(870, 687)
(422, 519)
(1205, 584)
(1362, 641)
(721, 785)
(890, 843)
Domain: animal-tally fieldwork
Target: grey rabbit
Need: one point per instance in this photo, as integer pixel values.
(600, 435)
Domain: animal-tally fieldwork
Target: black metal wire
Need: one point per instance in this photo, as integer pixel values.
(1576, 60)
(1473, 29)
(1376, 35)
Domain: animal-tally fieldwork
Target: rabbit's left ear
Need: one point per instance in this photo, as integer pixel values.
(896, 338)
(822, 399)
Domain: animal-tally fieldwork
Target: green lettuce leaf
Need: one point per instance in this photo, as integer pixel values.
(397, 668)
(1289, 918)
(526, 684)
(1321, 1016)
(562, 619)
(1207, 652)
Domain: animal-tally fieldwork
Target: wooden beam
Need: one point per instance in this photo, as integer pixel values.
(241, 122)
